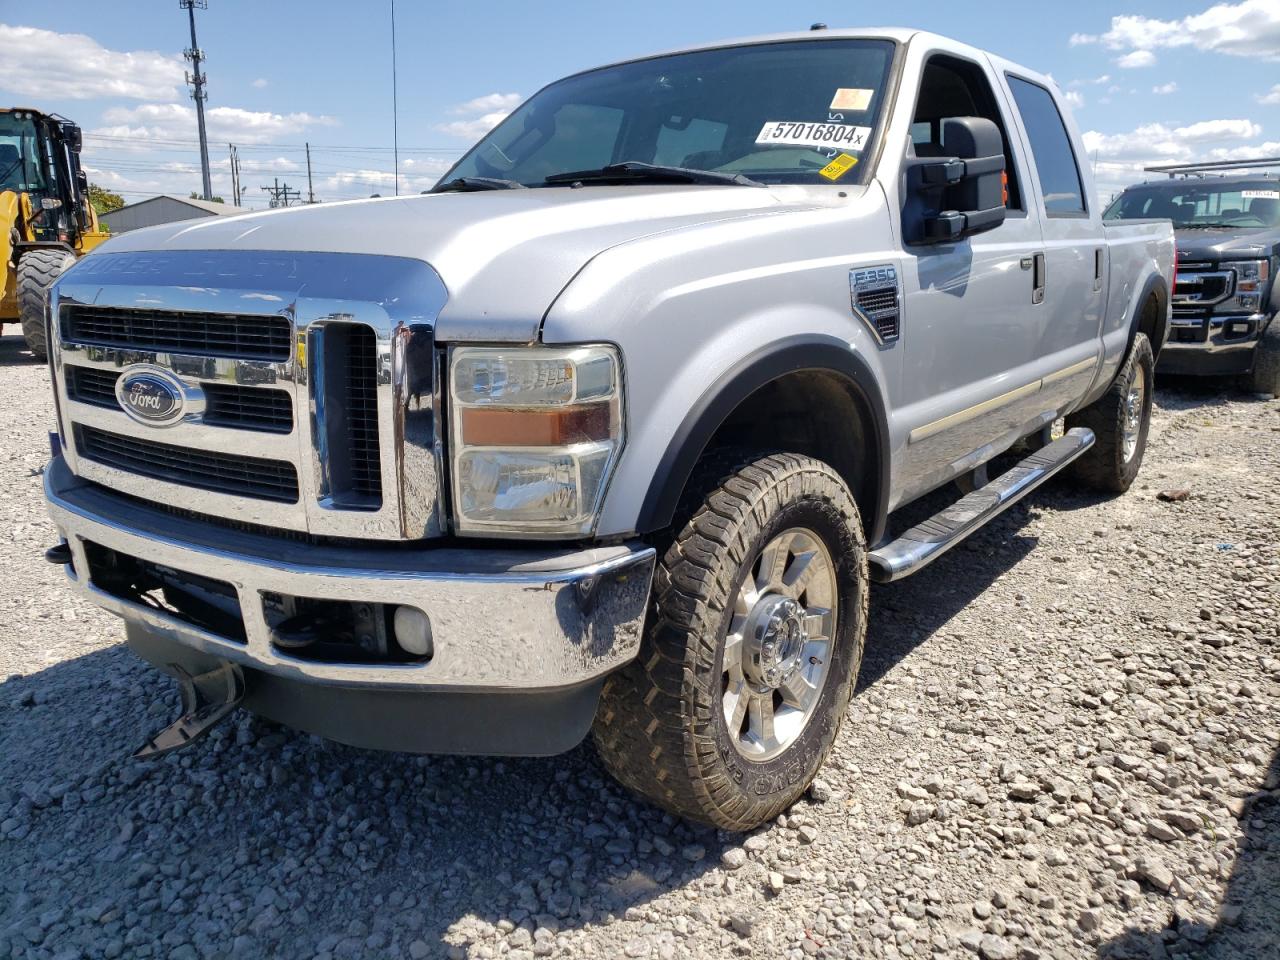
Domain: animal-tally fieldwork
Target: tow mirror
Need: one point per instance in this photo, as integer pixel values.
(72, 135)
(961, 194)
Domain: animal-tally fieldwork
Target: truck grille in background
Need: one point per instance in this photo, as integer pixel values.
(219, 472)
(265, 410)
(201, 334)
(1199, 287)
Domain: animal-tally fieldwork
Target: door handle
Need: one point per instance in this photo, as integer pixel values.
(1037, 278)
(1097, 269)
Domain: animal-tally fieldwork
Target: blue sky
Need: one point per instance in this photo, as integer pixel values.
(1168, 81)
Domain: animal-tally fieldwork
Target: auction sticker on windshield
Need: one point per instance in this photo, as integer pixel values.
(1260, 194)
(788, 133)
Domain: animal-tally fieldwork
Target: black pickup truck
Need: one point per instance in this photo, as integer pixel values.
(1227, 225)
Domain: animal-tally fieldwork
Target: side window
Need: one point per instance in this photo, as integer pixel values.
(952, 87)
(1051, 146)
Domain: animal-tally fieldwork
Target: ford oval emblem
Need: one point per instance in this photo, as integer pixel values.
(150, 397)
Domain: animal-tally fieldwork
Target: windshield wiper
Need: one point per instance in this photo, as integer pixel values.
(472, 184)
(636, 171)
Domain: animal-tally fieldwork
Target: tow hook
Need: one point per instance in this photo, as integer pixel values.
(207, 699)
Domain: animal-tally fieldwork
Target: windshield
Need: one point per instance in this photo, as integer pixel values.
(776, 113)
(20, 167)
(1202, 204)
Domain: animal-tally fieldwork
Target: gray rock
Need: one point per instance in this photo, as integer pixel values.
(991, 947)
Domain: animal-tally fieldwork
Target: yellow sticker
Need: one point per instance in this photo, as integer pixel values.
(851, 98)
(838, 167)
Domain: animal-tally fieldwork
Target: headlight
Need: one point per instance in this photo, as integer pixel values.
(535, 433)
(1251, 284)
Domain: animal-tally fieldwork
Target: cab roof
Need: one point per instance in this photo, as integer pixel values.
(902, 35)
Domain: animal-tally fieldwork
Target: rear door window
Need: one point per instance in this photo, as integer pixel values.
(1059, 174)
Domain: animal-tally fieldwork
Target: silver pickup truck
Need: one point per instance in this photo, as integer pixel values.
(608, 431)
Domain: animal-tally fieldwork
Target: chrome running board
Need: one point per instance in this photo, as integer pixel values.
(927, 541)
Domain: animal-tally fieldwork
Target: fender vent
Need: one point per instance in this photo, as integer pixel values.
(875, 296)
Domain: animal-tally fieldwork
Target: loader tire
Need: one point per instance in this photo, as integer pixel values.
(1119, 419)
(36, 272)
(742, 626)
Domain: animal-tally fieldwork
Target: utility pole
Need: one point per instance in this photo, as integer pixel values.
(198, 94)
(235, 173)
(395, 111)
(311, 194)
(281, 194)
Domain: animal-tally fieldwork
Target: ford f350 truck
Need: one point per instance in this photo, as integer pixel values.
(609, 431)
(1226, 219)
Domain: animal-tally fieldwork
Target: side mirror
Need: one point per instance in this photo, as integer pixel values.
(72, 135)
(959, 195)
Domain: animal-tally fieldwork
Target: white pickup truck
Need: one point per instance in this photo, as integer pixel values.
(608, 431)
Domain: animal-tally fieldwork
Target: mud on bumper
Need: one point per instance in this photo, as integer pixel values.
(522, 638)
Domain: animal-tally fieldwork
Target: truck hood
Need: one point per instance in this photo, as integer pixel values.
(1226, 243)
(504, 255)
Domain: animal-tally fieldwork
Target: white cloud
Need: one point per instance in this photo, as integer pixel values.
(482, 115)
(1212, 131)
(416, 175)
(1164, 89)
(1075, 98)
(1247, 29)
(170, 121)
(71, 66)
(1271, 97)
(1119, 159)
(1136, 58)
(260, 83)
(489, 103)
(472, 129)
(1157, 141)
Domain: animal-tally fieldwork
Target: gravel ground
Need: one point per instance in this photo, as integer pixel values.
(1064, 744)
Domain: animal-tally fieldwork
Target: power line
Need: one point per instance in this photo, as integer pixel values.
(142, 142)
(281, 195)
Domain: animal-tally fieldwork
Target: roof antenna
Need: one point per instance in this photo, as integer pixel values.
(817, 26)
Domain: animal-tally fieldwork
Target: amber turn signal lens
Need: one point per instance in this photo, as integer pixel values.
(556, 427)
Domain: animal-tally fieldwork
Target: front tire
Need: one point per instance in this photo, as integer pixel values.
(37, 269)
(1120, 420)
(1265, 376)
(752, 646)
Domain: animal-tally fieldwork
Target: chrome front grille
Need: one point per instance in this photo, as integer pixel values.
(92, 386)
(1200, 286)
(266, 410)
(300, 418)
(180, 331)
(219, 472)
(362, 413)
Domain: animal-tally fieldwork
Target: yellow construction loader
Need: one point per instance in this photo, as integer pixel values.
(46, 220)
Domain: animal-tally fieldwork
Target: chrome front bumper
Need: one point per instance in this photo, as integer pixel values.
(519, 621)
